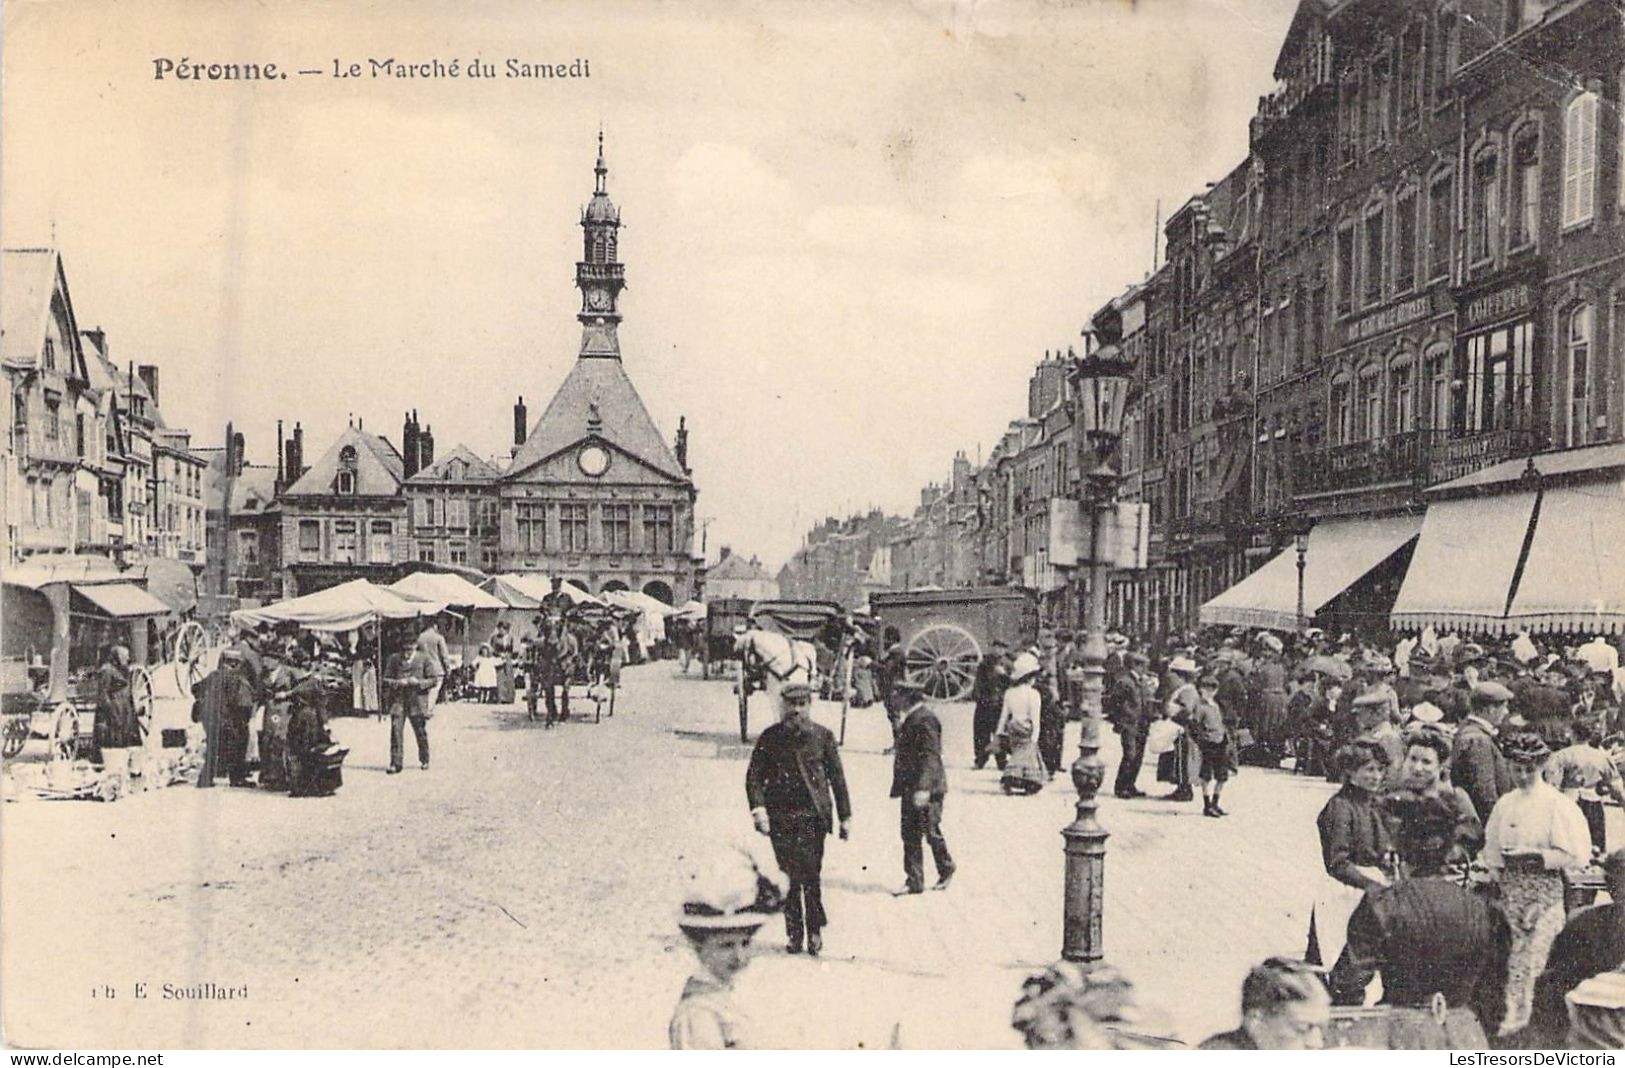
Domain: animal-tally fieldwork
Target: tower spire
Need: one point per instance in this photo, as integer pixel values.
(599, 169)
(599, 274)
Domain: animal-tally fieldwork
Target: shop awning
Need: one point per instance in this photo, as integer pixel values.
(1461, 576)
(1339, 554)
(339, 608)
(1574, 578)
(122, 600)
(452, 590)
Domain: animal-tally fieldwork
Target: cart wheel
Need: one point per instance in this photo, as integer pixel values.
(191, 645)
(16, 735)
(65, 732)
(943, 658)
(742, 687)
(141, 696)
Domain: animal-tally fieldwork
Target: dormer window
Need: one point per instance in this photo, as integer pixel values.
(345, 484)
(50, 354)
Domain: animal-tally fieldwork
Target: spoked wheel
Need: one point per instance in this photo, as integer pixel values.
(16, 735)
(65, 732)
(141, 696)
(742, 687)
(942, 658)
(191, 645)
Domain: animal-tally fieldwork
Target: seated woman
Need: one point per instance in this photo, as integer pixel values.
(1440, 948)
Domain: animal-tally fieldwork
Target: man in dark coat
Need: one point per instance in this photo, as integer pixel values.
(1476, 764)
(794, 771)
(1127, 709)
(992, 679)
(218, 703)
(919, 780)
(116, 725)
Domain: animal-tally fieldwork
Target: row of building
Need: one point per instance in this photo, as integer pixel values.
(1416, 277)
(591, 491)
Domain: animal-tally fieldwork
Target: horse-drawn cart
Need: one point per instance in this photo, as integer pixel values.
(944, 633)
(793, 641)
(725, 619)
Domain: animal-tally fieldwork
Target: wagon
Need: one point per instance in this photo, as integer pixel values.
(944, 633)
(824, 624)
(725, 618)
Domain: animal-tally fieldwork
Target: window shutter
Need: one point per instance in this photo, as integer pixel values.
(1571, 163)
(1588, 154)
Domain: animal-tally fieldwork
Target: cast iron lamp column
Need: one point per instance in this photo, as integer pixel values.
(1303, 552)
(1101, 383)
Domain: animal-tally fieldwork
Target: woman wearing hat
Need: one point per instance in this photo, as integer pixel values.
(1024, 771)
(1181, 707)
(721, 914)
(1533, 835)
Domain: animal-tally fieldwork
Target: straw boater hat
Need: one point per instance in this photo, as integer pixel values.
(1184, 665)
(729, 893)
(1026, 666)
(1270, 642)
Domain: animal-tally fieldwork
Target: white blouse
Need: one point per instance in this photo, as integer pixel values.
(1539, 819)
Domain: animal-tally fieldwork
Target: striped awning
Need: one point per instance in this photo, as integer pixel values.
(1574, 577)
(1465, 563)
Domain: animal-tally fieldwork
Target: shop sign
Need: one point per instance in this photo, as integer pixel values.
(1498, 304)
(1406, 311)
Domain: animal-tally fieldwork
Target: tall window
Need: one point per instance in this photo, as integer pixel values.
(1446, 49)
(1579, 159)
(49, 355)
(1498, 380)
(1375, 241)
(1379, 100)
(1402, 399)
(381, 544)
(457, 552)
(1368, 405)
(347, 467)
(658, 536)
(487, 516)
(1441, 221)
(310, 539)
(1405, 222)
(1524, 217)
(1342, 413)
(616, 522)
(573, 528)
(1411, 73)
(1577, 374)
(530, 518)
(1348, 120)
(53, 421)
(426, 551)
(1486, 202)
(457, 513)
(1345, 270)
(248, 548)
(344, 541)
(1439, 390)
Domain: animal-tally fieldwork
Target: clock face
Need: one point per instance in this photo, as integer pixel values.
(597, 299)
(593, 461)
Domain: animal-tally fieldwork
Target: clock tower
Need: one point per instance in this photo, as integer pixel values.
(599, 274)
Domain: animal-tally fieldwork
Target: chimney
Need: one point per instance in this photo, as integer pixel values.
(409, 444)
(281, 451)
(425, 447)
(682, 442)
(237, 453)
(296, 455)
(724, 552)
(231, 451)
(97, 337)
(149, 378)
(519, 423)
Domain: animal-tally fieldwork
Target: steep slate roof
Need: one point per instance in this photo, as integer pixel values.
(625, 422)
(379, 471)
(734, 566)
(475, 469)
(253, 492)
(27, 277)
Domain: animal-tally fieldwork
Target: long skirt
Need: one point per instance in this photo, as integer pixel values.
(1533, 903)
(1335, 902)
(1024, 772)
(1272, 729)
(364, 686)
(505, 686)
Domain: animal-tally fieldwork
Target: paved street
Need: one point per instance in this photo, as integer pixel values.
(523, 893)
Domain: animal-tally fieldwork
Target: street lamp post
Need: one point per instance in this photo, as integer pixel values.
(1303, 552)
(1101, 381)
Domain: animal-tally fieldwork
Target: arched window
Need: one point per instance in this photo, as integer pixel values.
(1341, 411)
(1523, 215)
(1438, 386)
(1577, 374)
(1401, 395)
(1368, 404)
(345, 484)
(1579, 159)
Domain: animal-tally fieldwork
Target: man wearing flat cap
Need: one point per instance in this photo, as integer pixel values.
(1476, 763)
(794, 771)
(920, 783)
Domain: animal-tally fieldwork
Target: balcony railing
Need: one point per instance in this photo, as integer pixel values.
(1418, 457)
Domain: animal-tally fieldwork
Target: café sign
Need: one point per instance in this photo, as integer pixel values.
(1377, 322)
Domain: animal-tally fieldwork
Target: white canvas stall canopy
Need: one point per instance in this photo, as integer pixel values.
(693, 611)
(534, 587)
(1574, 577)
(480, 610)
(1340, 553)
(340, 608)
(651, 613)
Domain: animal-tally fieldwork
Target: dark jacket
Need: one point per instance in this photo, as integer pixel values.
(796, 767)
(1592, 942)
(223, 694)
(918, 764)
(116, 725)
(1353, 833)
(1126, 705)
(1476, 765)
(1426, 936)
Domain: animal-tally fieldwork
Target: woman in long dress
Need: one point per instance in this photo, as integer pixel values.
(502, 647)
(1354, 846)
(1533, 835)
(1024, 771)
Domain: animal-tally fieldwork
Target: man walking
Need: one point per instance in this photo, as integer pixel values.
(992, 679)
(1127, 708)
(412, 690)
(433, 646)
(794, 771)
(1476, 763)
(921, 784)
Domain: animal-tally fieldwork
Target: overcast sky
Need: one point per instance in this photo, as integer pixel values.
(850, 229)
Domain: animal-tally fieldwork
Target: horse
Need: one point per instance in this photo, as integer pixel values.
(786, 659)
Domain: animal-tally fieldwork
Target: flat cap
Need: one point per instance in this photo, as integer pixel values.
(1368, 700)
(1490, 693)
(795, 691)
